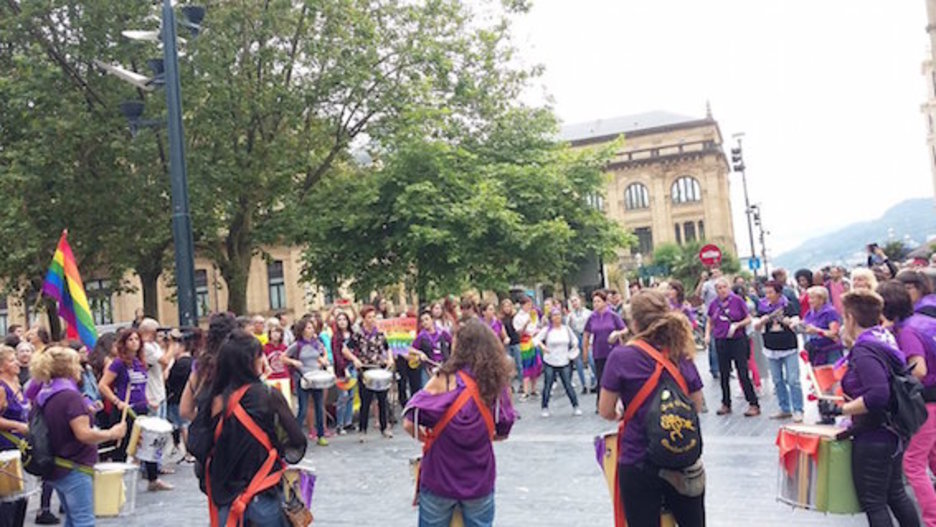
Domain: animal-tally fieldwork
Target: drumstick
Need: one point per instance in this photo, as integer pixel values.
(123, 418)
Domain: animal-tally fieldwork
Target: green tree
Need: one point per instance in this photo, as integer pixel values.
(505, 205)
(896, 250)
(684, 264)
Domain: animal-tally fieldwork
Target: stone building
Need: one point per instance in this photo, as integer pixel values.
(669, 181)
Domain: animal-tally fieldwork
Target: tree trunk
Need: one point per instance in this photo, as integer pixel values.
(235, 263)
(150, 281)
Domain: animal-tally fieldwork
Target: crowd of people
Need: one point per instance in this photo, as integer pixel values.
(454, 389)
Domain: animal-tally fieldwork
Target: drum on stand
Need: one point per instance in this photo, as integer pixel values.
(15, 483)
(149, 438)
(814, 469)
(115, 486)
(378, 379)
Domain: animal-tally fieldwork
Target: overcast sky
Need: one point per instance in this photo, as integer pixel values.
(827, 92)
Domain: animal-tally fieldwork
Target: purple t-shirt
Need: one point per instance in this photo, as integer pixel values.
(916, 337)
(626, 371)
(601, 325)
(497, 328)
(136, 376)
(823, 319)
(460, 465)
(432, 341)
(59, 411)
(724, 312)
(17, 409)
(868, 376)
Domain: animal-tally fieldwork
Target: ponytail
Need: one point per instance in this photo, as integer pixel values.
(666, 329)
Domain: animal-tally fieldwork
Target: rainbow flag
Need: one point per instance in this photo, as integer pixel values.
(400, 332)
(63, 283)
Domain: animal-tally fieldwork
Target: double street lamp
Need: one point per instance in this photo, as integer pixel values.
(737, 164)
(166, 74)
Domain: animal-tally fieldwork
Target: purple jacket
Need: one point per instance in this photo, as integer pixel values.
(868, 376)
(460, 465)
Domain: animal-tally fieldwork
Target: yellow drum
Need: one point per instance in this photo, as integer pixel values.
(285, 387)
(114, 489)
(606, 448)
(12, 481)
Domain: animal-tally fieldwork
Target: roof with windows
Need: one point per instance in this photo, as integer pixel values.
(624, 125)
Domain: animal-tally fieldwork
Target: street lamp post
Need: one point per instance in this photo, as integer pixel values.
(738, 165)
(181, 219)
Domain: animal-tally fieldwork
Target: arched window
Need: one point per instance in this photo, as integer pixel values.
(636, 197)
(686, 189)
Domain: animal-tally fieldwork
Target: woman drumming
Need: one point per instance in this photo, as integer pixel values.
(877, 452)
(458, 467)
(430, 344)
(309, 352)
(344, 406)
(369, 348)
(916, 338)
(728, 316)
(642, 490)
(71, 434)
(238, 455)
(14, 414)
(821, 325)
(127, 375)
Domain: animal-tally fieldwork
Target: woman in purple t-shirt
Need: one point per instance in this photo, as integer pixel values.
(128, 372)
(14, 413)
(642, 489)
(71, 434)
(458, 470)
(728, 315)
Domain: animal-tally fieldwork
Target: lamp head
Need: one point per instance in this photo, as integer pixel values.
(192, 16)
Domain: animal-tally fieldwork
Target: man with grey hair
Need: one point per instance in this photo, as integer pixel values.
(258, 329)
(156, 361)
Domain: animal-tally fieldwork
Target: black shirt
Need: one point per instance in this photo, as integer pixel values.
(178, 376)
(511, 331)
(777, 336)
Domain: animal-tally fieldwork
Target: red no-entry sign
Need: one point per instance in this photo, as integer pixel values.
(710, 255)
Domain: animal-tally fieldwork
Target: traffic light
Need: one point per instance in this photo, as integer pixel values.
(737, 161)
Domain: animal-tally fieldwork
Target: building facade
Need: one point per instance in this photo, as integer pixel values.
(668, 182)
(929, 72)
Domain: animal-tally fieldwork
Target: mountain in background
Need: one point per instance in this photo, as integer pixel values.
(913, 218)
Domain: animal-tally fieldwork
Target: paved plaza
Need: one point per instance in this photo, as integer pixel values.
(546, 476)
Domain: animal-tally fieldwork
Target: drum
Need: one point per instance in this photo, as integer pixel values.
(606, 453)
(114, 489)
(12, 481)
(149, 438)
(815, 469)
(285, 387)
(378, 379)
(317, 380)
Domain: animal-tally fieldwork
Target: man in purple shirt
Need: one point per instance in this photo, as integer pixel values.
(728, 316)
(602, 324)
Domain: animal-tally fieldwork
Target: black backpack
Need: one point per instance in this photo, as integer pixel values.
(38, 458)
(674, 438)
(907, 411)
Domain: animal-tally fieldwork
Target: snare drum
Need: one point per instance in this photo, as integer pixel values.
(12, 481)
(378, 379)
(149, 438)
(115, 489)
(317, 380)
(815, 469)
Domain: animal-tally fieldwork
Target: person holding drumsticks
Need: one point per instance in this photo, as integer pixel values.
(368, 348)
(458, 467)
(71, 434)
(877, 452)
(14, 414)
(124, 385)
(307, 354)
(432, 344)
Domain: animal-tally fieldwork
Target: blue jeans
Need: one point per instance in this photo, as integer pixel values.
(580, 365)
(713, 358)
(319, 400)
(436, 511)
(514, 350)
(265, 510)
(344, 408)
(565, 374)
(76, 492)
(786, 378)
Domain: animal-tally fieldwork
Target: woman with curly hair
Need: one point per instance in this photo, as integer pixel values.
(458, 468)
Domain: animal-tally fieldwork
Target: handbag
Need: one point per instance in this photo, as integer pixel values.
(689, 482)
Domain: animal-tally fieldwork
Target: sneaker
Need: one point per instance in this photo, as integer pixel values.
(797, 417)
(724, 410)
(322, 442)
(158, 485)
(545, 412)
(584, 391)
(47, 518)
(342, 431)
(752, 411)
(524, 396)
(576, 411)
(781, 415)
(387, 434)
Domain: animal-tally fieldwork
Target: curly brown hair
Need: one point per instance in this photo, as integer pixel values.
(665, 329)
(478, 350)
(124, 353)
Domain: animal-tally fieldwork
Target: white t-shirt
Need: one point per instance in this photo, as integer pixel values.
(155, 385)
(578, 319)
(558, 345)
(520, 320)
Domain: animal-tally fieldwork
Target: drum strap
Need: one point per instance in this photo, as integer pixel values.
(470, 392)
(23, 446)
(265, 477)
(645, 392)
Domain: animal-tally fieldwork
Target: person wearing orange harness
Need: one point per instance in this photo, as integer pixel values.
(457, 415)
(246, 463)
